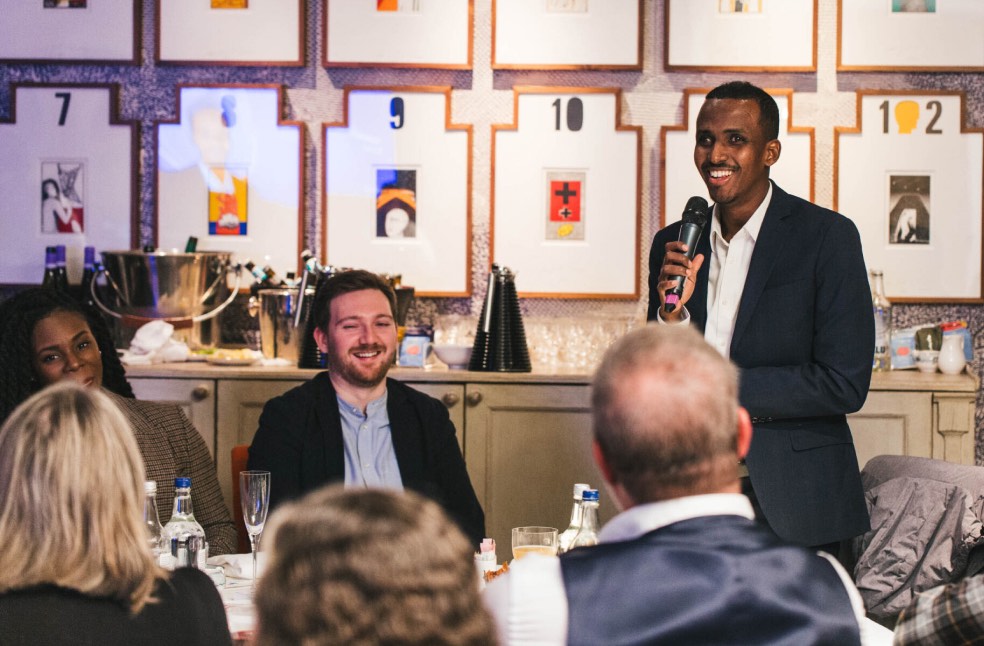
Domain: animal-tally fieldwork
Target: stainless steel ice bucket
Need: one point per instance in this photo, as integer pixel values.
(186, 289)
(280, 338)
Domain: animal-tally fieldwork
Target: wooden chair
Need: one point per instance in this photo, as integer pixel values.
(240, 454)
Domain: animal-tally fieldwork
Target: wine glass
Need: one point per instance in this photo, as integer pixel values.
(534, 540)
(254, 492)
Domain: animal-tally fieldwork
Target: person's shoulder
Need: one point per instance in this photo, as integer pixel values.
(402, 393)
(304, 392)
(152, 411)
(807, 211)
(186, 581)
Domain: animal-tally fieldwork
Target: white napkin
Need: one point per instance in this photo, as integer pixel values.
(152, 343)
(239, 566)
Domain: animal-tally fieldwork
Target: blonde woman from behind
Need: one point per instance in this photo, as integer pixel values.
(75, 566)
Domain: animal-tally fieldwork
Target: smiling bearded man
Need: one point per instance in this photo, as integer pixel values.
(354, 425)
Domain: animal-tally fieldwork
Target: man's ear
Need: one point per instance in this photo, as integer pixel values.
(744, 439)
(601, 462)
(772, 151)
(321, 339)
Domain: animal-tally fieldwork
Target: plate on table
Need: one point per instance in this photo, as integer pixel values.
(232, 358)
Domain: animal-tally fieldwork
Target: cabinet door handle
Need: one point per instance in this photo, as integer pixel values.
(200, 393)
(474, 398)
(450, 399)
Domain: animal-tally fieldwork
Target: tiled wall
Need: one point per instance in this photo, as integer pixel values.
(651, 98)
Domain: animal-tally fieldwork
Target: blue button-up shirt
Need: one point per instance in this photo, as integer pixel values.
(370, 460)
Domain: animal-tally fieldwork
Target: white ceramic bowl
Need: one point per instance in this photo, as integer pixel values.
(456, 356)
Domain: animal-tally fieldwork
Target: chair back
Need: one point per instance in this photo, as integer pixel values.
(240, 454)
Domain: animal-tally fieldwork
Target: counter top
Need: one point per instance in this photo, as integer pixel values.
(898, 380)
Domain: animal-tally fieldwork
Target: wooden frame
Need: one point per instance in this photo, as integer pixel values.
(529, 35)
(797, 179)
(778, 37)
(266, 32)
(388, 135)
(432, 34)
(875, 35)
(104, 32)
(914, 185)
(601, 263)
(96, 185)
(229, 151)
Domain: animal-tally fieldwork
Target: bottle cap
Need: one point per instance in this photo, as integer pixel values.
(90, 256)
(590, 495)
(182, 483)
(579, 489)
(150, 486)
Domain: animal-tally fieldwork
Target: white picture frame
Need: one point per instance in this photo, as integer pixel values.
(417, 33)
(567, 34)
(878, 35)
(576, 131)
(680, 180)
(232, 139)
(264, 32)
(704, 35)
(406, 129)
(104, 31)
(77, 128)
(919, 138)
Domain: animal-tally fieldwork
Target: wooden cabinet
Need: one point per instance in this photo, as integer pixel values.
(526, 438)
(912, 413)
(526, 446)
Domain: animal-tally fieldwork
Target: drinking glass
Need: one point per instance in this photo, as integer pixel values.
(254, 492)
(534, 540)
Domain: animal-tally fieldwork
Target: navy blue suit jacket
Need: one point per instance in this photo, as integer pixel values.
(803, 341)
(299, 441)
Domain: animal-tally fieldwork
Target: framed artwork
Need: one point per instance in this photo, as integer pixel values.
(567, 34)
(741, 35)
(230, 32)
(399, 33)
(70, 31)
(910, 35)
(565, 194)
(67, 177)
(229, 173)
(397, 196)
(911, 176)
(680, 180)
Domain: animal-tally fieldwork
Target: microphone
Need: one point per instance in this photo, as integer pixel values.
(694, 220)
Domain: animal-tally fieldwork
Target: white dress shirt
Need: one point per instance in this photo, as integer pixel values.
(529, 603)
(726, 276)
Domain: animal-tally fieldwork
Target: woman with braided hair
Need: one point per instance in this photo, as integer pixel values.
(47, 337)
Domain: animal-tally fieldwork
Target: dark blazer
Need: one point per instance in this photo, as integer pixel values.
(803, 341)
(299, 441)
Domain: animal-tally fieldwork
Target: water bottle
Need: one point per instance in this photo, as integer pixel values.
(152, 519)
(567, 536)
(184, 538)
(883, 323)
(588, 534)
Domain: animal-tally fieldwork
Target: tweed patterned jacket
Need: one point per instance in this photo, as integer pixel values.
(946, 615)
(171, 448)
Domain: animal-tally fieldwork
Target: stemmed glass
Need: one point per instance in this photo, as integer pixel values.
(254, 492)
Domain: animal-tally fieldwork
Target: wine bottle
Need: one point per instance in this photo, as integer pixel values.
(50, 278)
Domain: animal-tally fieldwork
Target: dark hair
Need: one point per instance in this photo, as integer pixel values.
(45, 183)
(743, 90)
(352, 280)
(18, 316)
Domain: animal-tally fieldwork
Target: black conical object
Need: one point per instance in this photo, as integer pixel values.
(500, 341)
